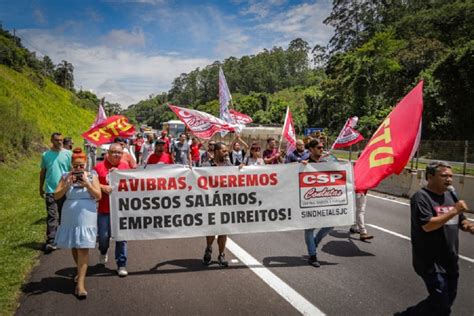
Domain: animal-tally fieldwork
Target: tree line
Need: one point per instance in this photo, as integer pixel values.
(379, 51)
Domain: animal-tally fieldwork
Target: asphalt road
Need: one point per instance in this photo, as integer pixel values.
(166, 277)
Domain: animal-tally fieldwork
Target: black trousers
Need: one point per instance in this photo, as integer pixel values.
(442, 289)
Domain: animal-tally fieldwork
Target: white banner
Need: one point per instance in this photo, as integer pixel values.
(167, 201)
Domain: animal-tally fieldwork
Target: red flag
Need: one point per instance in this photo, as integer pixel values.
(202, 124)
(393, 144)
(289, 132)
(101, 116)
(348, 135)
(240, 118)
(106, 131)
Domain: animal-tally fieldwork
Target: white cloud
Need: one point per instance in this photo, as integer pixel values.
(39, 16)
(304, 21)
(261, 8)
(122, 38)
(121, 76)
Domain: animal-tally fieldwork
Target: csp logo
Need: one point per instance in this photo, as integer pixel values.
(322, 188)
(322, 178)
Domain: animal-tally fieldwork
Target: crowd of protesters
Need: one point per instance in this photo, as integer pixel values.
(65, 180)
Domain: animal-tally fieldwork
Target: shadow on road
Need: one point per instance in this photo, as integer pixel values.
(340, 234)
(97, 270)
(187, 265)
(289, 261)
(344, 249)
(50, 284)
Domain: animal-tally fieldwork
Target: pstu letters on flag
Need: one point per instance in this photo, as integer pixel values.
(108, 130)
(393, 144)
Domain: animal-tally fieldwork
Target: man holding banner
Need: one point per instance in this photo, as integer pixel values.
(112, 162)
(312, 240)
(221, 158)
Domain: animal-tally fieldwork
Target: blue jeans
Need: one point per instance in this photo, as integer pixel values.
(312, 240)
(442, 289)
(103, 225)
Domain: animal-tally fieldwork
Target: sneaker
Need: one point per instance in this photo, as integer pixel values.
(313, 261)
(122, 272)
(103, 259)
(221, 260)
(207, 256)
(48, 248)
(365, 236)
(353, 230)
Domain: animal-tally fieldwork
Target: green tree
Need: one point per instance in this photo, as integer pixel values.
(48, 67)
(64, 75)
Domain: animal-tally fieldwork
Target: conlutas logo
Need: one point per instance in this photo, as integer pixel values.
(313, 193)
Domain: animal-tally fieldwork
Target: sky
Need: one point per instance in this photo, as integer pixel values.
(128, 50)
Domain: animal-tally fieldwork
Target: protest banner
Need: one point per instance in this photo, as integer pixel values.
(106, 131)
(174, 202)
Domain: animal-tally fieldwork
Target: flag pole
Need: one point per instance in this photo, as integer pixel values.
(283, 129)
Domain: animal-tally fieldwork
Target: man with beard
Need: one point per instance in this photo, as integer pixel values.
(299, 154)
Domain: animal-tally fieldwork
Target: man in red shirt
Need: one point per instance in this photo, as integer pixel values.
(112, 162)
(160, 156)
(166, 139)
(127, 156)
(138, 145)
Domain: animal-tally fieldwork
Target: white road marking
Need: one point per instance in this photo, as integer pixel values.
(301, 304)
(402, 203)
(408, 238)
(386, 199)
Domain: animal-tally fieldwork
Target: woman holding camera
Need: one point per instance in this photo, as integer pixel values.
(78, 228)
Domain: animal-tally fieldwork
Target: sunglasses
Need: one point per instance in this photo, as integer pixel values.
(255, 148)
(320, 147)
(116, 152)
(58, 140)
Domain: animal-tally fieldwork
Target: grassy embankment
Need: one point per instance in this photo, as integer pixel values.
(27, 108)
